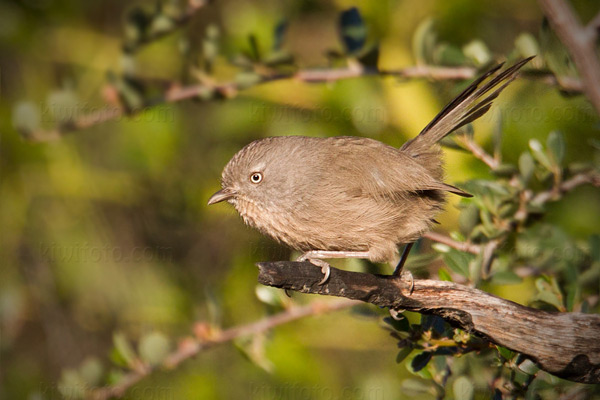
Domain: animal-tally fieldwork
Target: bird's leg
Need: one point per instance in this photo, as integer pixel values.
(316, 257)
(399, 268)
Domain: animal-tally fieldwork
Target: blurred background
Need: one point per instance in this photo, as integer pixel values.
(105, 232)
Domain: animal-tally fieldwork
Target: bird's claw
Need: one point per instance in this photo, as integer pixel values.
(325, 268)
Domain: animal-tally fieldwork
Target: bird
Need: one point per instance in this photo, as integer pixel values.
(348, 196)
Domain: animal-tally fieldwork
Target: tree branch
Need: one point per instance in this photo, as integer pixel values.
(177, 93)
(467, 247)
(564, 344)
(207, 338)
(580, 43)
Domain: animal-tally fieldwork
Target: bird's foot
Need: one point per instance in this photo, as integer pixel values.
(397, 314)
(324, 265)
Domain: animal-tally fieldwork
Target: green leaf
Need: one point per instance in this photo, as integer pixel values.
(402, 354)
(26, 117)
(526, 167)
(154, 348)
(91, 371)
(447, 54)
(210, 46)
(420, 361)
(71, 385)
(463, 388)
(458, 261)
(444, 275)
(594, 241)
(468, 219)
(505, 353)
(254, 48)
(161, 24)
(423, 42)
(506, 278)
(353, 31)
(537, 150)
(63, 106)
(527, 45)
(556, 147)
(123, 348)
(279, 35)
(477, 51)
(529, 367)
(505, 170)
(245, 80)
(549, 293)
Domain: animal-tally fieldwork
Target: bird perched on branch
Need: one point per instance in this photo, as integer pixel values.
(343, 196)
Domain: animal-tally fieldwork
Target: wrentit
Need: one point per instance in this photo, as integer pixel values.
(345, 196)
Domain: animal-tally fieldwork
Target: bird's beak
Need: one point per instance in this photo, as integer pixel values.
(221, 195)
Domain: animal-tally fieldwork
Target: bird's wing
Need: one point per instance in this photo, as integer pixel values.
(371, 168)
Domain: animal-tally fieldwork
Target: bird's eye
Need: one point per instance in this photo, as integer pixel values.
(256, 177)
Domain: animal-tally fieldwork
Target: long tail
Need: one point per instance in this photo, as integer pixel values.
(465, 108)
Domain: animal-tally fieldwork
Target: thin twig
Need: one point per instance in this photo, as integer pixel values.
(467, 247)
(591, 177)
(191, 347)
(580, 43)
(468, 142)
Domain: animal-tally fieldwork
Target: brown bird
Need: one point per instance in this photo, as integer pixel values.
(345, 196)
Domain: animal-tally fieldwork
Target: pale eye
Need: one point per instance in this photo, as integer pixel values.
(256, 177)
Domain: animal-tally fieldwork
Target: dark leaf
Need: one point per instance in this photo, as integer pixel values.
(421, 360)
(279, 35)
(401, 325)
(402, 354)
(352, 30)
(370, 58)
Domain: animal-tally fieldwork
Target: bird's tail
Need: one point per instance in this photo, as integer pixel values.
(466, 107)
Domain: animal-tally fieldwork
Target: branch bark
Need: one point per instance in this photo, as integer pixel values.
(564, 344)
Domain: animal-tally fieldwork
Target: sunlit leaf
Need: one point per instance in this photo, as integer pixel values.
(423, 42)
(154, 347)
(26, 117)
(463, 388)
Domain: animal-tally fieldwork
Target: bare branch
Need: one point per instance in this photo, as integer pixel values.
(580, 43)
(448, 241)
(591, 177)
(468, 142)
(563, 344)
(190, 347)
